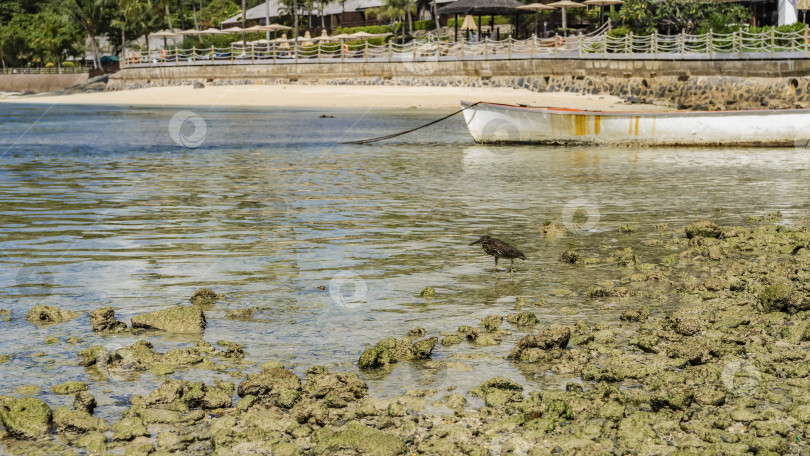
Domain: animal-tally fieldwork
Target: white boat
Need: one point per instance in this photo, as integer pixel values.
(499, 123)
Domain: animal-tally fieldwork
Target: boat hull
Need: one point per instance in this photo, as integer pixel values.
(498, 123)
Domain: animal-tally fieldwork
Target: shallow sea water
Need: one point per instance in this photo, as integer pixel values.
(101, 206)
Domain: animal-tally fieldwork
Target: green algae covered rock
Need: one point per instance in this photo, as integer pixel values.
(357, 439)
(703, 228)
(523, 319)
(70, 388)
(47, 315)
(269, 382)
(204, 297)
(498, 391)
(376, 356)
(177, 319)
(66, 420)
(428, 293)
(103, 320)
(26, 418)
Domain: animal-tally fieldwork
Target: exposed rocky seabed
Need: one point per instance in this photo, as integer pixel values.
(725, 371)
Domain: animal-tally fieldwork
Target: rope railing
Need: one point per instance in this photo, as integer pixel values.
(599, 44)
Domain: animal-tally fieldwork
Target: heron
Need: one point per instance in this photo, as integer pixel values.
(500, 249)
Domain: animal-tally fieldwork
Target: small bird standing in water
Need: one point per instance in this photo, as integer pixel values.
(500, 249)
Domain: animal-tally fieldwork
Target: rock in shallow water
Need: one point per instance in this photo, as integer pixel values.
(103, 320)
(46, 315)
(27, 418)
(178, 319)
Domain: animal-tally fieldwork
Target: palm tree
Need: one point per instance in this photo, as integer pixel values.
(139, 15)
(397, 10)
(90, 15)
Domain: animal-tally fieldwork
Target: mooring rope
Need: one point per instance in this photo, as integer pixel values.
(394, 135)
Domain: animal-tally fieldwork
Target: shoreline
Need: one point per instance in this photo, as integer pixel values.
(332, 96)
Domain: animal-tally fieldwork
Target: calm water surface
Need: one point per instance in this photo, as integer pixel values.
(100, 207)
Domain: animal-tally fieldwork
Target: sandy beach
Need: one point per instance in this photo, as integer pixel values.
(331, 96)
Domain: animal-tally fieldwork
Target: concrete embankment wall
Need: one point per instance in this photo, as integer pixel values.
(695, 84)
(40, 82)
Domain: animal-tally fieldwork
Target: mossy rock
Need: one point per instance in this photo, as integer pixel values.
(70, 388)
(553, 230)
(28, 390)
(523, 319)
(569, 256)
(241, 314)
(204, 297)
(777, 297)
(178, 319)
(428, 293)
(703, 228)
(47, 315)
(376, 356)
(357, 439)
(453, 339)
(26, 418)
(77, 421)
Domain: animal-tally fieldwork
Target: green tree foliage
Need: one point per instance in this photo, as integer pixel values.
(219, 10)
(688, 16)
(53, 38)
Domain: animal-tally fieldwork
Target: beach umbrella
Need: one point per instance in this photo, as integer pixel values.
(234, 30)
(163, 34)
(210, 31)
(539, 6)
(469, 23)
(602, 3)
(565, 4)
(189, 32)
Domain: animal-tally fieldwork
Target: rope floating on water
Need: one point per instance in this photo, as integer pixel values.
(394, 135)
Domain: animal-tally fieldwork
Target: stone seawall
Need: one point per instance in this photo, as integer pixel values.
(700, 85)
(40, 82)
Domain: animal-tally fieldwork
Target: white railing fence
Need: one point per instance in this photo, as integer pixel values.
(598, 44)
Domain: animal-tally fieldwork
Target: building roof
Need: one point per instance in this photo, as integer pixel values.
(482, 7)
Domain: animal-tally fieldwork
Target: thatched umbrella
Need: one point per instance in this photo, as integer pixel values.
(602, 3)
(482, 7)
